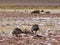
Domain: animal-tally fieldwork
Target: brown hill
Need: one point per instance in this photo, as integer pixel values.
(31, 2)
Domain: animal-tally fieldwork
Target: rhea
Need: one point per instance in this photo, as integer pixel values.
(16, 31)
(35, 28)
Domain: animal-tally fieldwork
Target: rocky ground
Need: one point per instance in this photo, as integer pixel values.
(49, 28)
(49, 38)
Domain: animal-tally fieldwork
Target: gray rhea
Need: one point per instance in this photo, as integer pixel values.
(35, 28)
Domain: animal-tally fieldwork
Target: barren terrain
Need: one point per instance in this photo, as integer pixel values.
(31, 2)
(49, 25)
(17, 14)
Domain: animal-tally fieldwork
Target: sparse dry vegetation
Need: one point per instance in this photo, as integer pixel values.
(46, 22)
(33, 22)
(42, 10)
(47, 12)
(28, 7)
(35, 11)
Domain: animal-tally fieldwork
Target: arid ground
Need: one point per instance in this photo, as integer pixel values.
(49, 25)
(17, 14)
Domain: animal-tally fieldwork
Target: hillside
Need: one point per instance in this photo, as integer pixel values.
(31, 2)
